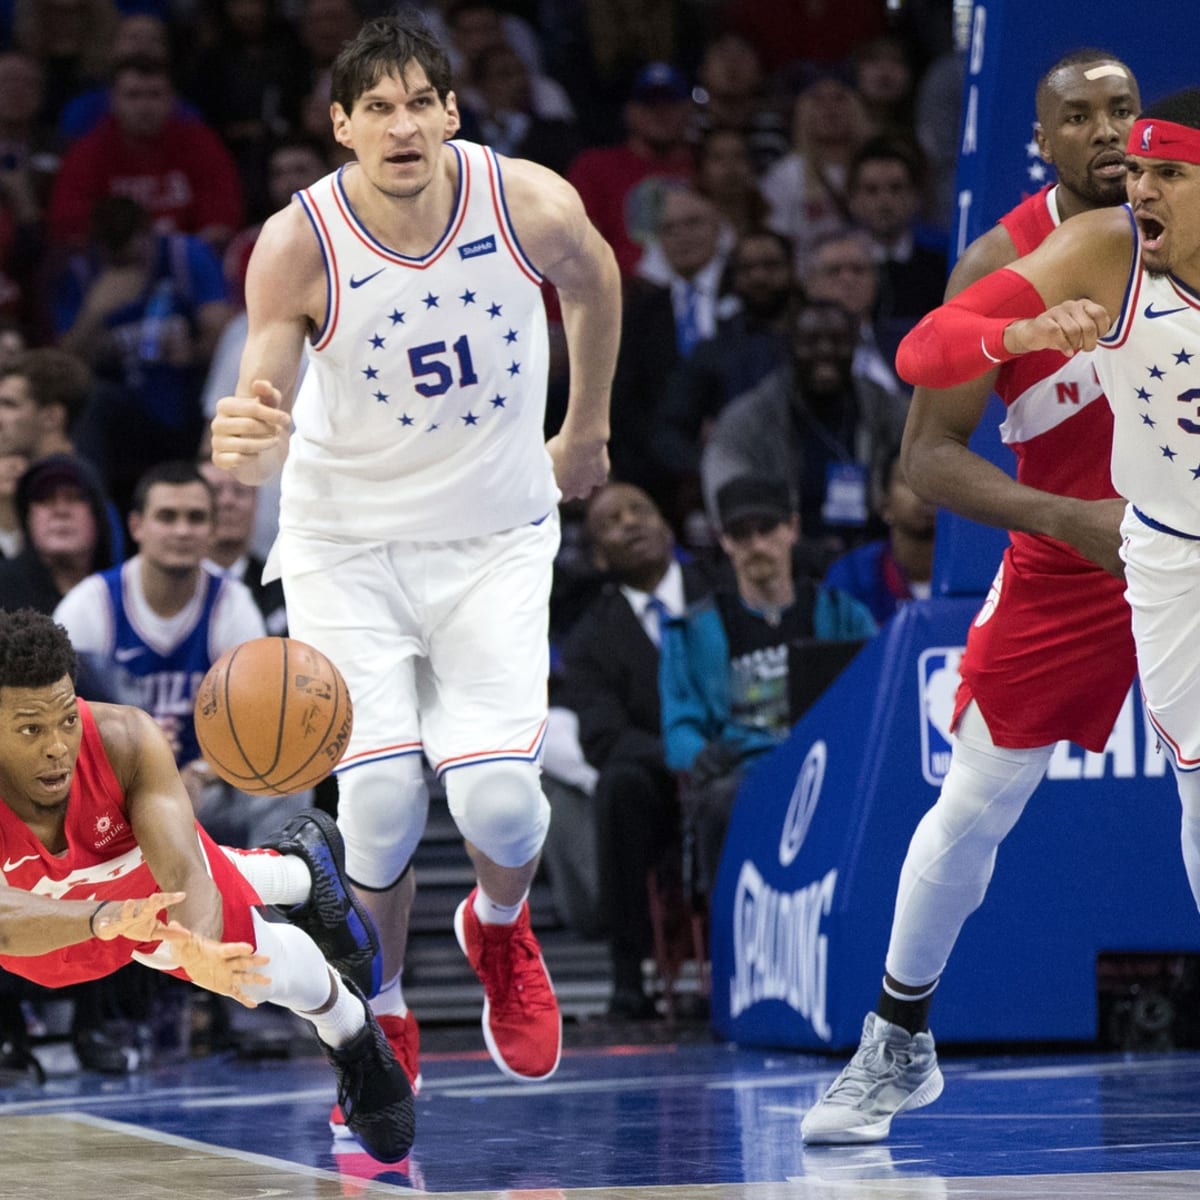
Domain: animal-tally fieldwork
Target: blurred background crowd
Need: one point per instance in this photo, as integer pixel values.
(775, 177)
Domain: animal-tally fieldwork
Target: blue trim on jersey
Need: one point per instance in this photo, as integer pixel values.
(164, 685)
(1125, 318)
(507, 217)
(1145, 520)
(439, 245)
(320, 334)
(1189, 293)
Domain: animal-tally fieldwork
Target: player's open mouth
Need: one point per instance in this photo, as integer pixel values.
(1151, 231)
(1109, 166)
(55, 782)
(404, 158)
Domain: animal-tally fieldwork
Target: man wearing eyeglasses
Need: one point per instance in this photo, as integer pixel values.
(727, 666)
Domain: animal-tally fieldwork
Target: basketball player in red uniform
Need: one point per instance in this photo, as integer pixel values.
(97, 839)
(1050, 655)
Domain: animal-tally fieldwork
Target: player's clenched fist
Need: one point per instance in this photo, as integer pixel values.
(249, 433)
(1070, 326)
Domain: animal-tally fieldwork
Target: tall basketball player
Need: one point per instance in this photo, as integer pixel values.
(1050, 656)
(418, 521)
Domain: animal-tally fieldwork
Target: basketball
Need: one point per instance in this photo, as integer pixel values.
(273, 716)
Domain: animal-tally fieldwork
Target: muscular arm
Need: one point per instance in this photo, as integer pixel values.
(940, 466)
(284, 285)
(160, 814)
(566, 247)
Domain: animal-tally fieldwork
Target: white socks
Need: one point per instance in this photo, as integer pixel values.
(277, 878)
(491, 913)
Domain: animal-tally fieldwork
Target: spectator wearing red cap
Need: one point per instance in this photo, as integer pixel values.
(621, 186)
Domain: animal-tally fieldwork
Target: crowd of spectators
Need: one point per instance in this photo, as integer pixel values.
(772, 177)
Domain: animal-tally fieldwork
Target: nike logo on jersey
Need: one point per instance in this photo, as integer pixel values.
(128, 653)
(1151, 312)
(357, 283)
(10, 865)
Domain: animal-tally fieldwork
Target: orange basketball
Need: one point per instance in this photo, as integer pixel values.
(273, 716)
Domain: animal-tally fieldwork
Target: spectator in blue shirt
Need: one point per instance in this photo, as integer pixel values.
(886, 573)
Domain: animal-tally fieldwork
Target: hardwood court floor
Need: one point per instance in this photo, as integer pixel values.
(672, 1121)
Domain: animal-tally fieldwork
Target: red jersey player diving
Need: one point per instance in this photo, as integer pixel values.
(98, 842)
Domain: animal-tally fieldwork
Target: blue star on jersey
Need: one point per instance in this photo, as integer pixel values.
(1176, 384)
(430, 374)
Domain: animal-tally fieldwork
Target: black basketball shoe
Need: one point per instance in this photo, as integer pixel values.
(332, 915)
(373, 1091)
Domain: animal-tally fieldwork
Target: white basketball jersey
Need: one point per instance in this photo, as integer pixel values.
(1149, 364)
(420, 418)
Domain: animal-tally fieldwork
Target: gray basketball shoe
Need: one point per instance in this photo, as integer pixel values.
(892, 1071)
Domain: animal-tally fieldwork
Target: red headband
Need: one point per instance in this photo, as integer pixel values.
(1164, 139)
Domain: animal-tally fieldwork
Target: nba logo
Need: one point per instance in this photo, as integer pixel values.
(937, 683)
(1147, 137)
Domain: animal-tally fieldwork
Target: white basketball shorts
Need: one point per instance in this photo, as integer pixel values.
(444, 646)
(1162, 585)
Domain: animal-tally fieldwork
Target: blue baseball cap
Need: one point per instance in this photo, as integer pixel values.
(659, 81)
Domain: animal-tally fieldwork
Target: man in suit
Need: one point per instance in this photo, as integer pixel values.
(668, 313)
(610, 679)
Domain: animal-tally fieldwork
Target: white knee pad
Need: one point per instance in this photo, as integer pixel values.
(500, 809)
(382, 809)
(953, 851)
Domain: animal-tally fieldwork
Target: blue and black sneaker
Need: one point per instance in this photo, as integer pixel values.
(373, 1091)
(332, 915)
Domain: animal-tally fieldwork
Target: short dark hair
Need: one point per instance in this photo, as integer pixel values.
(34, 651)
(386, 46)
(175, 471)
(888, 149)
(1076, 58)
(116, 221)
(54, 377)
(1181, 107)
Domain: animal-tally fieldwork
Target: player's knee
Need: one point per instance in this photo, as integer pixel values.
(499, 807)
(382, 809)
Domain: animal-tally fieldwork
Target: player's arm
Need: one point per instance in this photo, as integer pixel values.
(160, 814)
(285, 273)
(566, 247)
(1062, 297)
(32, 925)
(940, 466)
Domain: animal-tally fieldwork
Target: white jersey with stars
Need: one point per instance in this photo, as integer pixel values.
(1149, 364)
(421, 416)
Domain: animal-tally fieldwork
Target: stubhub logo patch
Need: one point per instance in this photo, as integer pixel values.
(485, 245)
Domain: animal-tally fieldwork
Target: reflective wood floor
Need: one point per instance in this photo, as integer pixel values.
(662, 1122)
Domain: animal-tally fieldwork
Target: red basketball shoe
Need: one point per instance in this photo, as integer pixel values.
(521, 1022)
(404, 1037)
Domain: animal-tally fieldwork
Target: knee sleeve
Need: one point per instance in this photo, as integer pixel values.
(382, 809)
(499, 808)
(953, 851)
(298, 971)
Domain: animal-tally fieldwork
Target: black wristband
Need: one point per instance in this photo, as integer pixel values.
(92, 918)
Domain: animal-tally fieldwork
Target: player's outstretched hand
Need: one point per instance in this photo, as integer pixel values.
(1070, 326)
(580, 466)
(137, 920)
(225, 967)
(247, 427)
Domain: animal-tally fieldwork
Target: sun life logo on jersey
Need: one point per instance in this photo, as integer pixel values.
(107, 830)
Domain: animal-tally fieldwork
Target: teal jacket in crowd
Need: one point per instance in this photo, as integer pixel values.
(693, 675)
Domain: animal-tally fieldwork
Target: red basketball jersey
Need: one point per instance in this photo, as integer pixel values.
(1050, 655)
(102, 861)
